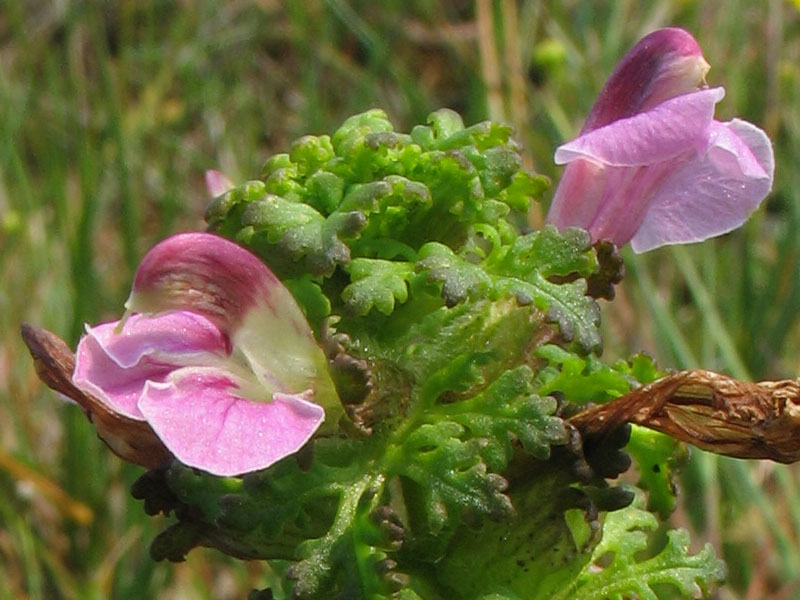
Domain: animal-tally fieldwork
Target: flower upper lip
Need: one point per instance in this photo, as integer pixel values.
(666, 63)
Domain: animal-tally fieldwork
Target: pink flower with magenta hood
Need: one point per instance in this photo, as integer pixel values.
(651, 165)
(214, 354)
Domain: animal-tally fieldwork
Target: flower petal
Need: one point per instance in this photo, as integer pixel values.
(659, 134)
(176, 337)
(131, 439)
(237, 292)
(746, 145)
(713, 194)
(651, 166)
(665, 63)
(203, 273)
(578, 196)
(114, 365)
(627, 195)
(199, 417)
(281, 351)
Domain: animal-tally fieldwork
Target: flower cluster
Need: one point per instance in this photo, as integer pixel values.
(217, 358)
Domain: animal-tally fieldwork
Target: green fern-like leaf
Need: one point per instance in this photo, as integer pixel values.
(508, 411)
(627, 575)
(450, 473)
(376, 283)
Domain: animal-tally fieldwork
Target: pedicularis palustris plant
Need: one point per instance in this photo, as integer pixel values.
(372, 374)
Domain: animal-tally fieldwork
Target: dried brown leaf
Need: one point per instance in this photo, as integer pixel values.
(132, 440)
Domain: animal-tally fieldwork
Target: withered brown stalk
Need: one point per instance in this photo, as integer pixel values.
(709, 410)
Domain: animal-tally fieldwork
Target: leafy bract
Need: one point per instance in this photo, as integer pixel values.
(450, 473)
(582, 379)
(509, 411)
(628, 575)
(376, 283)
(657, 457)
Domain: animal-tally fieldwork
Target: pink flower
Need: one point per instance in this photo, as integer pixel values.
(651, 165)
(215, 355)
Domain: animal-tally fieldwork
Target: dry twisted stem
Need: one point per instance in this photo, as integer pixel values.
(711, 411)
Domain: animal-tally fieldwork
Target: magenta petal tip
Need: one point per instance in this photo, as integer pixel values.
(202, 272)
(665, 63)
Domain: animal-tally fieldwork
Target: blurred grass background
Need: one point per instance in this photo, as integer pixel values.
(111, 111)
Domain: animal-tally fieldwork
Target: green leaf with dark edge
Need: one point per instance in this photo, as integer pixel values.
(577, 315)
(299, 231)
(321, 519)
(496, 166)
(393, 208)
(376, 283)
(567, 305)
(282, 178)
(224, 213)
(199, 489)
(580, 379)
(553, 252)
(524, 187)
(623, 565)
(310, 153)
(446, 354)
(537, 551)
(324, 191)
(450, 473)
(515, 274)
(352, 132)
(442, 125)
(505, 412)
(350, 547)
(446, 130)
(460, 279)
(416, 194)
